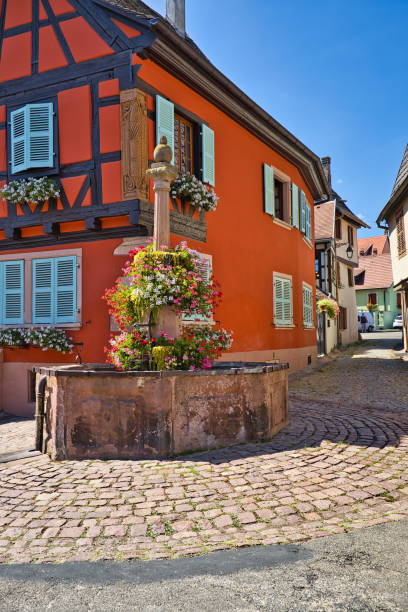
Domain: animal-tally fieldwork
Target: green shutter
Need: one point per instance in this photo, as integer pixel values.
(12, 298)
(269, 190)
(302, 212)
(165, 121)
(43, 290)
(39, 119)
(308, 228)
(65, 290)
(208, 155)
(295, 205)
(307, 307)
(18, 140)
(282, 301)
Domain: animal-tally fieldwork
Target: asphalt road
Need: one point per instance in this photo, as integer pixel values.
(364, 570)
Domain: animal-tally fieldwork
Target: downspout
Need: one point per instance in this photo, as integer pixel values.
(40, 413)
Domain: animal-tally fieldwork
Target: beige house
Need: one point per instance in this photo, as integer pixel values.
(337, 256)
(395, 215)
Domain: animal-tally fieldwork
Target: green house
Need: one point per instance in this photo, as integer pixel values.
(373, 281)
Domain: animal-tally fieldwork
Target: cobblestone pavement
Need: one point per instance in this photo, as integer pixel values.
(16, 434)
(334, 469)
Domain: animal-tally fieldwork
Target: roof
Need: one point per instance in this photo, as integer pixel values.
(324, 215)
(375, 272)
(379, 243)
(402, 172)
(181, 57)
(399, 188)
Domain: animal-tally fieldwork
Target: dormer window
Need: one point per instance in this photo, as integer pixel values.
(32, 137)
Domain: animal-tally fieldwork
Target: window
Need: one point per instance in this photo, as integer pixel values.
(183, 145)
(282, 300)
(12, 292)
(401, 246)
(32, 137)
(338, 275)
(350, 235)
(279, 205)
(180, 134)
(350, 275)
(206, 271)
(399, 301)
(307, 305)
(338, 229)
(343, 318)
(372, 299)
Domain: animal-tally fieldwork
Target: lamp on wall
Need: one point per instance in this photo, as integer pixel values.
(349, 251)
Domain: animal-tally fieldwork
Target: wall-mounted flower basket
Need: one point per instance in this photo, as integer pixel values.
(30, 190)
(45, 338)
(329, 306)
(189, 189)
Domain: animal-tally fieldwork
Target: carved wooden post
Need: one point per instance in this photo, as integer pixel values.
(162, 173)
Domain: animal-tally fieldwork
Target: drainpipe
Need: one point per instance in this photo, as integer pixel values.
(39, 413)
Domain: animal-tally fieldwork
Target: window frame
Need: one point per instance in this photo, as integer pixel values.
(350, 276)
(350, 233)
(28, 283)
(194, 141)
(343, 318)
(34, 172)
(338, 229)
(376, 298)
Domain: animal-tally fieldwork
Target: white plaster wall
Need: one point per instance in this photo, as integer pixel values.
(399, 265)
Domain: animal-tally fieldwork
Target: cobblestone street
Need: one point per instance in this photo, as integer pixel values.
(342, 464)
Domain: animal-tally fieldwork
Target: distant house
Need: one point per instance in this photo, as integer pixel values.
(373, 281)
(395, 215)
(337, 253)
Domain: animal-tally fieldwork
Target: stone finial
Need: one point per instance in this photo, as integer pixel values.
(163, 152)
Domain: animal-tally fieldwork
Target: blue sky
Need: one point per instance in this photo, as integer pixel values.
(333, 73)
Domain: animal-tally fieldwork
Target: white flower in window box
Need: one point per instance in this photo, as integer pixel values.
(30, 190)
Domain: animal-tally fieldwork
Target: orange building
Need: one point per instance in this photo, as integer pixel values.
(87, 88)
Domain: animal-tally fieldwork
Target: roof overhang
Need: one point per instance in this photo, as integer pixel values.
(393, 202)
(185, 62)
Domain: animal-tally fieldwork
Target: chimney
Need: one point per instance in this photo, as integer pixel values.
(326, 161)
(176, 15)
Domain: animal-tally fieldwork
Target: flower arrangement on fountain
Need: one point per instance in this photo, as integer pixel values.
(154, 279)
(329, 306)
(189, 187)
(33, 190)
(45, 337)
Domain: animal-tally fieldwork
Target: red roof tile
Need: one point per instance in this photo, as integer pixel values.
(381, 243)
(374, 272)
(324, 215)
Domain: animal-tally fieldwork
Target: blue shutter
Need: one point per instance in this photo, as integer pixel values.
(208, 155)
(269, 190)
(43, 290)
(18, 140)
(302, 212)
(39, 120)
(165, 121)
(295, 205)
(12, 292)
(65, 290)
